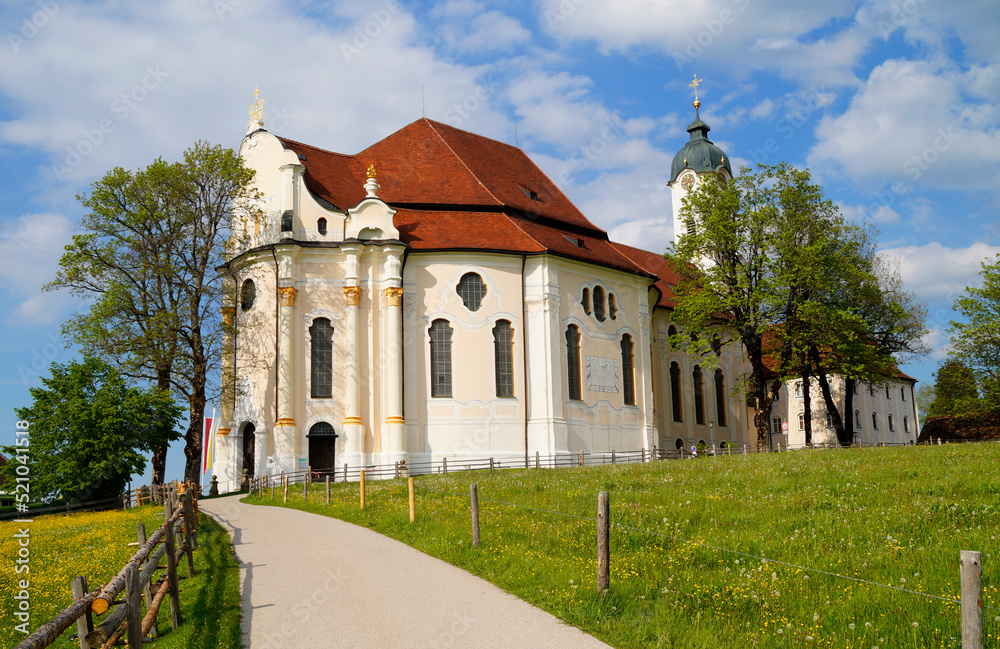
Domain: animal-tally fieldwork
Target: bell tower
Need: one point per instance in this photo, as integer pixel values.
(696, 159)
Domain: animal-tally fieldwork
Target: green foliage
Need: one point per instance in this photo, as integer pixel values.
(88, 431)
(955, 389)
(146, 257)
(768, 262)
(976, 340)
(895, 517)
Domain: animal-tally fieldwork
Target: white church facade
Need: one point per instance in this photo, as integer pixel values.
(436, 295)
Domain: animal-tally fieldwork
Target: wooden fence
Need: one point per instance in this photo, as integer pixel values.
(125, 618)
(346, 473)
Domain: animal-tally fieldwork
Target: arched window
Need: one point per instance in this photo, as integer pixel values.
(599, 303)
(679, 443)
(675, 390)
(802, 421)
(248, 295)
(892, 424)
(503, 358)
(249, 449)
(573, 362)
(874, 420)
(906, 425)
(720, 397)
(888, 394)
(829, 420)
(672, 336)
(902, 392)
(871, 389)
(857, 420)
(628, 370)
(699, 395)
(440, 332)
(586, 301)
(321, 225)
(321, 359)
(612, 306)
(472, 291)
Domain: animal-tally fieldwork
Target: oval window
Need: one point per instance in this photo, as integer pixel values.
(248, 295)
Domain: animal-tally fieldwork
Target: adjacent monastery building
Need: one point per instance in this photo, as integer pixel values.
(437, 295)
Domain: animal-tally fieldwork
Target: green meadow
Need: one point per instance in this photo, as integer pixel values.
(796, 549)
(95, 544)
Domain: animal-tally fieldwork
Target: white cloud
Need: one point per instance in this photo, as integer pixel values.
(719, 32)
(469, 28)
(189, 73)
(911, 124)
(30, 248)
(937, 273)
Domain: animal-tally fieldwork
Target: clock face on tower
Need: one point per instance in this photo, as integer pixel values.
(687, 182)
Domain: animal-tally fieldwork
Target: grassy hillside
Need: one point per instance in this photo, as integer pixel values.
(96, 545)
(689, 536)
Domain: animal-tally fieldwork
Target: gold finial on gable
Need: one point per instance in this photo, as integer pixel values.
(257, 110)
(694, 84)
(371, 169)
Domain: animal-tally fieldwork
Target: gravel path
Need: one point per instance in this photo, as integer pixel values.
(314, 581)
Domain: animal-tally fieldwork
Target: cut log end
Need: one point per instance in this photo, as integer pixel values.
(100, 606)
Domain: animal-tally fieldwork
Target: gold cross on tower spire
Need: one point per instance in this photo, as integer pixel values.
(694, 84)
(257, 110)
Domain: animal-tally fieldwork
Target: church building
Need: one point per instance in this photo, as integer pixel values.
(437, 295)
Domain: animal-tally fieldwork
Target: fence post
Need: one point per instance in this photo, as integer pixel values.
(474, 497)
(395, 469)
(284, 497)
(345, 473)
(603, 555)
(612, 456)
(84, 623)
(971, 564)
(146, 590)
(744, 449)
(362, 489)
(413, 502)
(133, 607)
(536, 460)
(581, 458)
(175, 593)
(328, 488)
(445, 465)
(491, 465)
(272, 490)
(305, 489)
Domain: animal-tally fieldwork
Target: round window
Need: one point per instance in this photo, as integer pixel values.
(248, 295)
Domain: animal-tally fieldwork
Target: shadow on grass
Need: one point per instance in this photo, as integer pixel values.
(210, 601)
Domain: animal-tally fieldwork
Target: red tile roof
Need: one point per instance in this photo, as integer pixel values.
(454, 190)
(655, 264)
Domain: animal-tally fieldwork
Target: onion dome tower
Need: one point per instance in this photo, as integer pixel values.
(695, 159)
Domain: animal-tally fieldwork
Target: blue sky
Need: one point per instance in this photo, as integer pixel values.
(891, 103)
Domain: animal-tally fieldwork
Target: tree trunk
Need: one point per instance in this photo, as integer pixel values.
(849, 412)
(159, 459)
(806, 401)
(831, 405)
(196, 405)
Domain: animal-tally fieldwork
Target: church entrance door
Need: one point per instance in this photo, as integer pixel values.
(322, 448)
(249, 442)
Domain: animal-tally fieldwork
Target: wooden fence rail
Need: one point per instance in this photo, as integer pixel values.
(125, 617)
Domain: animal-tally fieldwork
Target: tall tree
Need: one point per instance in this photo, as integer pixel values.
(150, 244)
(769, 260)
(976, 340)
(89, 431)
(956, 390)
